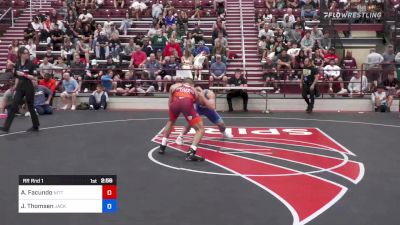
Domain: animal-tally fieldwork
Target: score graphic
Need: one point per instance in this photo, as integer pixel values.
(67, 194)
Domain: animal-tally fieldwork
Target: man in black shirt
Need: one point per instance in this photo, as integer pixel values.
(237, 81)
(57, 37)
(308, 82)
(391, 84)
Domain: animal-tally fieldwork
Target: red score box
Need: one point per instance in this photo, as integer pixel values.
(109, 191)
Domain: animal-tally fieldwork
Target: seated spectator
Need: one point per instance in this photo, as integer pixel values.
(308, 9)
(316, 34)
(186, 65)
(98, 99)
(127, 85)
(29, 32)
(168, 7)
(198, 64)
(144, 88)
(280, 4)
(159, 41)
(198, 9)
(267, 32)
(219, 50)
(102, 46)
(173, 32)
(49, 83)
(107, 26)
(318, 59)
(147, 48)
(182, 21)
(126, 23)
(31, 48)
(170, 19)
(348, 65)
(332, 74)
(287, 26)
(99, 4)
(153, 70)
(380, 100)
(71, 90)
(307, 44)
(11, 57)
(107, 81)
(112, 31)
(358, 84)
(115, 47)
(77, 69)
(138, 58)
(42, 99)
(221, 39)
(373, 67)
(325, 43)
(331, 54)
(127, 51)
(392, 85)
(238, 80)
(289, 15)
(85, 17)
(45, 67)
(292, 4)
(58, 68)
(219, 24)
(49, 54)
(388, 61)
(197, 33)
(201, 48)
(270, 74)
(119, 3)
(137, 7)
(156, 9)
(154, 27)
(170, 68)
(284, 63)
(57, 37)
(270, 4)
(219, 7)
(172, 45)
(218, 71)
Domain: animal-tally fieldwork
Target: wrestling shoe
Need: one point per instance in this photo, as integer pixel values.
(179, 140)
(227, 135)
(161, 150)
(191, 156)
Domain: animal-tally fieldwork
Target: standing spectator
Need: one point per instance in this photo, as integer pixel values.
(332, 73)
(45, 67)
(102, 46)
(71, 90)
(348, 65)
(373, 67)
(380, 100)
(156, 9)
(171, 46)
(126, 23)
(388, 61)
(218, 71)
(358, 84)
(238, 80)
(138, 58)
(308, 82)
(98, 99)
(126, 54)
(41, 102)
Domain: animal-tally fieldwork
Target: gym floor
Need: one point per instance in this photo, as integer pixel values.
(279, 169)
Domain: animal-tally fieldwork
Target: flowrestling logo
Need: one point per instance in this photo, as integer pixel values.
(275, 159)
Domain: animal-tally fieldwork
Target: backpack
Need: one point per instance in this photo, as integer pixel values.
(83, 106)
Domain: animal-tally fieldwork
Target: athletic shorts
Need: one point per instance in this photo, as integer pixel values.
(184, 106)
(211, 114)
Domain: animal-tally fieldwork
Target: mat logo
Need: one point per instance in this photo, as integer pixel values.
(275, 159)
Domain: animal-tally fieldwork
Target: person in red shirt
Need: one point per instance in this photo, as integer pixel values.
(138, 58)
(170, 47)
(331, 55)
(182, 96)
(50, 83)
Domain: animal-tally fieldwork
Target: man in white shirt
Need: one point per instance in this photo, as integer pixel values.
(373, 66)
(380, 100)
(45, 67)
(358, 84)
(332, 73)
(266, 32)
(289, 13)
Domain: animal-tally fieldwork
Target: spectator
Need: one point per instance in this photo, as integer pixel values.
(197, 33)
(267, 32)
(287, 26)
(198, 9)
(201, 48)
(31, 48)
(41, 102)
(49, 83)
(292, 4)
(57, 37)
(316, 34)
(127, 51)
(348, 64)
(332, 74)
(270, 4)
(170, 67)
(49, 55)
(171, 46)
(58, 68)
(107, 26)
(380, 100)
(138, 58)
(77, 69)
(159, 41)
(157, 9)
(388, 61)
(308, 9)
(238, 80)
(186, 65)
(11, 57)
(7, 100)
(307, 44)
(137, 7)
(98, 99)
(219, 24)
(392, 84)
(373, 66)
(221, 39)
(219, 50)
(85, 17)
(147, 48)
(160, 21)
(102, 46)
(168, 7)
(308, 82)
(126, 23)
(99, 4)
(45, 67)
(358, 84)
(153, 70)
(182, 21)
(270, 74)
(29, 32)
(331, 54)
(219, 7)
(71, 90)
(112, 31)
(107, 80)
(318, 59)
(218, 71)
(325, 43)
(170, 19)
(119, 3)
(154, 27)
(284, 63)
(115, 47)
(289, 15)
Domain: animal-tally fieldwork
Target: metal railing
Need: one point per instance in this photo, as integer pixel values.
(242, 34)
(7, 17)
